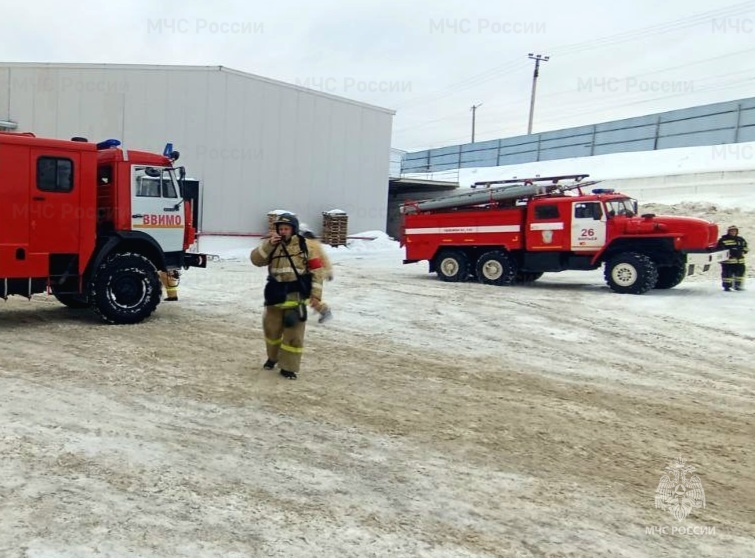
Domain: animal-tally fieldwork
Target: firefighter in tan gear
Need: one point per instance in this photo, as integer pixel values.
(170, 280)
(294, 281)
(318, 251)
(733, 270)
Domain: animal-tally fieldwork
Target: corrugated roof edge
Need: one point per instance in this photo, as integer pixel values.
(105, 66)
(307, 90)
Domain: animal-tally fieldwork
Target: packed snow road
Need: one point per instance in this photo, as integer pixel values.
(430, 419)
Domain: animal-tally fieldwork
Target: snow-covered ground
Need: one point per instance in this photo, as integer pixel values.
(430, 419)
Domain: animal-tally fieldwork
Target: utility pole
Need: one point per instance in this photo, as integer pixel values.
(474, 109)
(537, 58)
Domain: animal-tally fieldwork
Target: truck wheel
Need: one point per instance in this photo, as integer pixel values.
(670, 277)
(452, 265)
(496, 268)
(126, 289)
(72, 300)
(631, 273)
(528, 276)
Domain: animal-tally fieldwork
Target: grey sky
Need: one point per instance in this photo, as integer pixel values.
(428, 60)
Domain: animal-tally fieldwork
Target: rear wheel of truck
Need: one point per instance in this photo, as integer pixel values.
(670, 277)
(126, 289)
(452, 265)
(631, 273)
(496, 268)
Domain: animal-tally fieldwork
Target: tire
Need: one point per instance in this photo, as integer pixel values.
(528, 276)
(631, 273)
(452, 266)
(76, 301)
(670, 277)
(126, 289)
(496, 268)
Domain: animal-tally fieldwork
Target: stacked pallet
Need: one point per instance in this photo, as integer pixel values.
(334, 227)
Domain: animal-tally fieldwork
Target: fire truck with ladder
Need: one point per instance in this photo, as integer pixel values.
(513, 231)
(92, 224)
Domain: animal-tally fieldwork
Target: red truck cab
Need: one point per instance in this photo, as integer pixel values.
(91, 223)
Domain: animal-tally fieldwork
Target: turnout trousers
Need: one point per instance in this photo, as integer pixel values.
(284, 344)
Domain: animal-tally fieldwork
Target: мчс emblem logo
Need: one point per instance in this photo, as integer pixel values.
(678, 493)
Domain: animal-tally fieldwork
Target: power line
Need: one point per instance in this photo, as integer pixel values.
(661, 28)
(715, 86)
(577, 104)
(463, 85)
(711, 88)
(572, 48)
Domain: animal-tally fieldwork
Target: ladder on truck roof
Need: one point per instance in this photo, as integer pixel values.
(514, 188)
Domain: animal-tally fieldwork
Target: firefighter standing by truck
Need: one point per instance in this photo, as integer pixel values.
(170, 281)
(733, 269)
(294, 281)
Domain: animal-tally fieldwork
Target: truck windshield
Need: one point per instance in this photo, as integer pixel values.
(624, 206)
(154, 182)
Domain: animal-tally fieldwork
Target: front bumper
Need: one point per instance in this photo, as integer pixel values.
(700, 262)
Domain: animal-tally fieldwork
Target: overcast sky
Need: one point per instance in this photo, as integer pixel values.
(430, 61)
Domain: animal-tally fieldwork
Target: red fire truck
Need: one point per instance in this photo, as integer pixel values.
(515, 230)
(91, 223)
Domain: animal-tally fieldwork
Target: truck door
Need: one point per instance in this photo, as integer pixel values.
(155, 208)
(588, 226)
(54, 202)
(545, 231)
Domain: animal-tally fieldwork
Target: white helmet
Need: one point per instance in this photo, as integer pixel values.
(305, 231)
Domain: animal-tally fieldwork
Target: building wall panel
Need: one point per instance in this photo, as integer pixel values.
(254, 144)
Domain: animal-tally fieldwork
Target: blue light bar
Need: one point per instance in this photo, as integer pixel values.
(107, 144)
(168, 149)
(603, 191)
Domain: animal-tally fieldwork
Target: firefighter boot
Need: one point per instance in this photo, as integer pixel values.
(170, 281)
(288, 374)
(269, 364)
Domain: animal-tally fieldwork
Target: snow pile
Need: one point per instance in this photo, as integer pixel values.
(726, 196)
(380, 242)
(723, 216)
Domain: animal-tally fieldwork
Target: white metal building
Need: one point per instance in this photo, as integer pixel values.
(255, 144)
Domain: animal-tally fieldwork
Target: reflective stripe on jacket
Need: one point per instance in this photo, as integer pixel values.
(737, 247)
